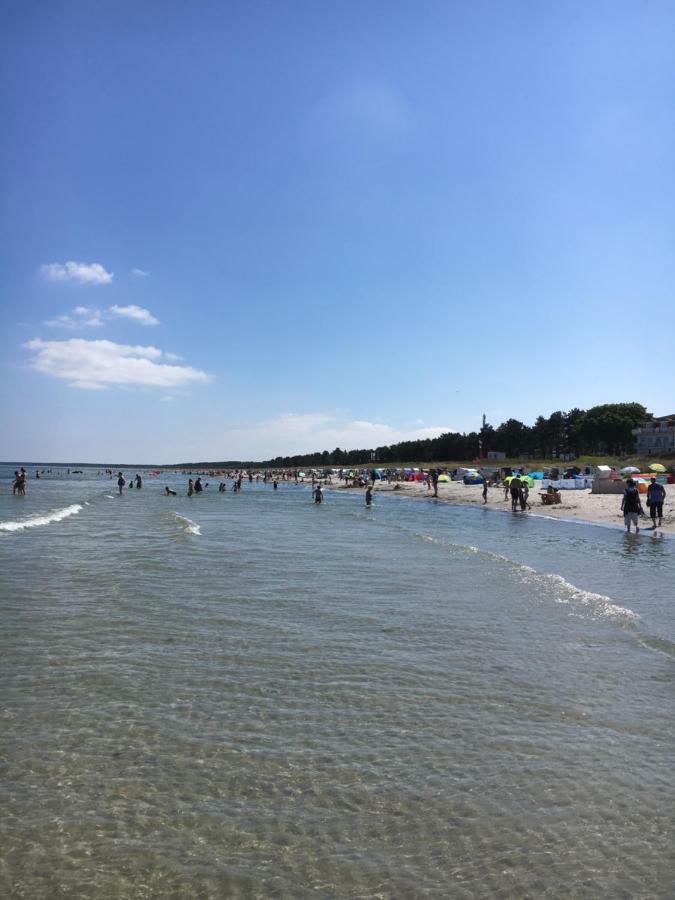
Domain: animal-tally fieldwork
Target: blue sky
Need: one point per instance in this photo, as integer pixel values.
(248, 229)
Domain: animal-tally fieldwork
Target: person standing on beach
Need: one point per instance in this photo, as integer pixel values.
(434, 481)
(120, 482)
(515, 488)
(524, 494)
(485, 490)
(369, 495)
(631, 507)
(656, 494)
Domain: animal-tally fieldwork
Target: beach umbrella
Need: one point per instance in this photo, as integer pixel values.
(657, 467)
(629, 470)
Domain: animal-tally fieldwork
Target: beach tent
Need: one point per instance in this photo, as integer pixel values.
(473, 478)
(443, 478)
(537, 475)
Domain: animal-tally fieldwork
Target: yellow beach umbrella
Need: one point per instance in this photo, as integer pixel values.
(657, 467)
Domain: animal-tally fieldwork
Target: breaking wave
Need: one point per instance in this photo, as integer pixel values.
(563, 590)
(189, 527)
(35, 521)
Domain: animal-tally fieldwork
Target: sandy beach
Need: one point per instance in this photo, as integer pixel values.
(581, 505)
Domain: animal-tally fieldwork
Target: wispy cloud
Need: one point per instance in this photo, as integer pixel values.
(137, 313)
(293, 433)
(91, 317)
(98, 364)
(140, 273)
(79, 317)
(80, 272)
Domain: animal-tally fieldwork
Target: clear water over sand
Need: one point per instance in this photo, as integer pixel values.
(246, 695)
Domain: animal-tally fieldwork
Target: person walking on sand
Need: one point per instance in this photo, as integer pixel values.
(631, 507)
(656, 494)
(434, 481)
(485, 490)
(120, 482)
(515, 488)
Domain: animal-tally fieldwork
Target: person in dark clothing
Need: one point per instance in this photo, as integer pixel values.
(656, 494)
(631, 506)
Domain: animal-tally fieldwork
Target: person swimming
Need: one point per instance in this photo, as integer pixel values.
(169, 492)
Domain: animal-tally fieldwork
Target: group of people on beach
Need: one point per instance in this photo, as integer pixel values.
(631, 505)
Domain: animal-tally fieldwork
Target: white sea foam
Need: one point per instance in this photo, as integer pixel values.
(566, 592)
(189, 526)
(35, 521)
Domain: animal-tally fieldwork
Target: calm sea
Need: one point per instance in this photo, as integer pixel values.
(247, 695)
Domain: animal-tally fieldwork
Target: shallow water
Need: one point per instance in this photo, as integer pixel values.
(248, 695)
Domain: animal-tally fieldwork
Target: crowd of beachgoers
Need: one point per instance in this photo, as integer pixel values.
(518, 490)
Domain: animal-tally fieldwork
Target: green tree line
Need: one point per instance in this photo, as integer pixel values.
(605, 429)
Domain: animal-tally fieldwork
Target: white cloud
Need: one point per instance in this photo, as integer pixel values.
(140, 273)
(143, 316)
(82, 273)
(294, 433)
(173, 357)
(90, 317)
(79, 317)
(97, 364)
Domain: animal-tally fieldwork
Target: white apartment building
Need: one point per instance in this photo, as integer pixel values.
(656, 436)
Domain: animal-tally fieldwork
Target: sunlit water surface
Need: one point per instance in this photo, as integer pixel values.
(246, 695)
